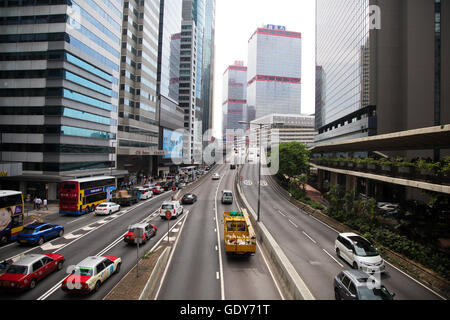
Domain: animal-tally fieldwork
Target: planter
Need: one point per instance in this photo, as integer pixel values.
(426, 172)
(360, 166)
(350, 164)
(386, 168)
(404, 170)
(342, 163)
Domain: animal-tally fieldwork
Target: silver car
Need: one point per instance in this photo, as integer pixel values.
(358, 285)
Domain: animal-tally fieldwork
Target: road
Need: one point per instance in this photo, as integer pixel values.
(309, 243)
(200, 269)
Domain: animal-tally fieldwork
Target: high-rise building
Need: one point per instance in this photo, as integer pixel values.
(234, 98)
(274, 71)
(385, 64)
(138, 130)
(171, 116)
(59, 71)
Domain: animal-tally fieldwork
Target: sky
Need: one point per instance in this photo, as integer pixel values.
(237, 20)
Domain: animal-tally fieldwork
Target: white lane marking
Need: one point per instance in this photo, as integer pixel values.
(76, 220)
(71, 236)
(216, 248)
(284, 215)
(333, 258)
(222, 285)
(50, 247)
(217, 275)
(88, 228)
(293, 223)
(309, 237)
(271, 273)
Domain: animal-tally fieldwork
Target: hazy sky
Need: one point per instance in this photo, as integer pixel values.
(237, 20)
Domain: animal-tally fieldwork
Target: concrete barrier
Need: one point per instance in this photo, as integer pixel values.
(155, 276)
(293, 286)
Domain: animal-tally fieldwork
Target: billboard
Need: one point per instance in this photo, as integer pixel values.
(172, 144)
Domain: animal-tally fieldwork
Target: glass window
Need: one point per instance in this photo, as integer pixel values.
(37, 265)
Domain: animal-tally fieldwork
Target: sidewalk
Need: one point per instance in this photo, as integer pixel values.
(33, 215)
(315, 195)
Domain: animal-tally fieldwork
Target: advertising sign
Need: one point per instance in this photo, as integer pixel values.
(172, 144)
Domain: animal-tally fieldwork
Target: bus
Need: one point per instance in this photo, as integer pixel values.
(80, 196)
(11, 215)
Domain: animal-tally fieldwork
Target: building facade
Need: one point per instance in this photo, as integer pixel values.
(59, 91)
(274, 72)
(138, 129)
(234, 99)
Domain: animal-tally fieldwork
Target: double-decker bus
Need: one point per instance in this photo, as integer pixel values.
(11, 215)
(80, 196)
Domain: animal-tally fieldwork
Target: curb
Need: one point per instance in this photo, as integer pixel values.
(155, 276)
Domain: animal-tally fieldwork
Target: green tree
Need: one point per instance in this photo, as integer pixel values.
(294, 159)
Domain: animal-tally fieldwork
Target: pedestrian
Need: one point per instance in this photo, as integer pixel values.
(45, 204)
(38, 203)
(35, 203)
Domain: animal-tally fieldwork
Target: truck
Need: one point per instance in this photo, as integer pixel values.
(124, 198)
(239, 235)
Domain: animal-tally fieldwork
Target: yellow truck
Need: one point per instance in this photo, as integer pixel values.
(239, 235)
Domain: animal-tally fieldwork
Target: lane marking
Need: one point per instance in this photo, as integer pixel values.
(284, 215)
(293, 223)
(222, 285)
(333, 258)
(309, 237)
(217, 275)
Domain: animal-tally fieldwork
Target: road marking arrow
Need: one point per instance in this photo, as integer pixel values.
(71, 236)
(50, 247)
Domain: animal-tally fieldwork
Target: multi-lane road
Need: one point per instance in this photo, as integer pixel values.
(198, 268)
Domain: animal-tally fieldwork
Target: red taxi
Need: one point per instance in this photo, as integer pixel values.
(149, 231)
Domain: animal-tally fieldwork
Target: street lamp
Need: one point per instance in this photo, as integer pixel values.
(260, 156)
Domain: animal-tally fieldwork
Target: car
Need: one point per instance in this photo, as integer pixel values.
(106, 208)
(149, 231)
(89, 274)
(227, 196)
(216, 176)
(388, 208)
(181, 185)
(359, 253)
(189, 198)
(28, 270)
(145, 194)
(173, 206)
(358, 285)
(232, 166)
(38, 233)
(157, 190)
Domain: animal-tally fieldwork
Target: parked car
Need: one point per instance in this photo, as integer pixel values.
(173, 206)
(107, 208)
(189, 198)
(227, 196)
(31, 268)
(149, 231)
(216, 176)
(388, 208)
(38, 233)
(90, 273)
(157, 190)
(357, 285)
(359, 253)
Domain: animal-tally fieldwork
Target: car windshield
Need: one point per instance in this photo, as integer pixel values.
(227, 194)
(102, 205)
(363, 247)
(366, 293)
(16, 269)
(28, 230)
(188, 196)
(167, 206)
(82, 271)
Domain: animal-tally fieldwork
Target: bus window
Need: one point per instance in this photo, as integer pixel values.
(17, 221)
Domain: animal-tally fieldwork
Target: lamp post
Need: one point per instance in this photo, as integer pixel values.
(260, 157)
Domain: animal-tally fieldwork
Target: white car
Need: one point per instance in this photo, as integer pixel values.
(107, 208)
(145, 194)
(216, 176)
(359, 253)
(174, 207)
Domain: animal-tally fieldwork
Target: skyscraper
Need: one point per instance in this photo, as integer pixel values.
(234, 97)
(59, 66)
(138, 130)
(274, 71)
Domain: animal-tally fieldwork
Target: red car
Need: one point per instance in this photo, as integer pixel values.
(26, 272)
(149, 231)
(157, 190)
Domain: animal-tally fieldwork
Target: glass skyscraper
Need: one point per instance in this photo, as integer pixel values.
(274, 71)
(59, 71)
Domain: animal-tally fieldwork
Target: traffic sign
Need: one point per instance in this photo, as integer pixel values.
(168, 214)
(138, 233)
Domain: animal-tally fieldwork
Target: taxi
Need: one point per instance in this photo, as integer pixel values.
(29, 269)
(88, 275)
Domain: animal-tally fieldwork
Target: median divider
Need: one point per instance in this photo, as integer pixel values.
(292, 284)
(150, 286)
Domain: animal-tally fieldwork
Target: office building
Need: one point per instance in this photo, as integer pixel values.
(274, 72)
(234, 99)
(59, 71)
(138, 130)
(171, 116)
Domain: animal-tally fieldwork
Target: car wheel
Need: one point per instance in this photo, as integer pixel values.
(40, 241)
(59, 266)
(3, 240)
(33, 283)
(97, 286)
(118, 268)
(60, 233)
(355, 265)
(338, 252)
(337, 296)
(109, 212)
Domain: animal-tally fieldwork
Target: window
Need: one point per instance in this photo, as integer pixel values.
(46, 260)
(352, 288)
(345, 281)
(107, 263)
(99, 268)
(37, 265)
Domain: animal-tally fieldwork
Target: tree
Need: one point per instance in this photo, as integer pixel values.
(294, 159)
